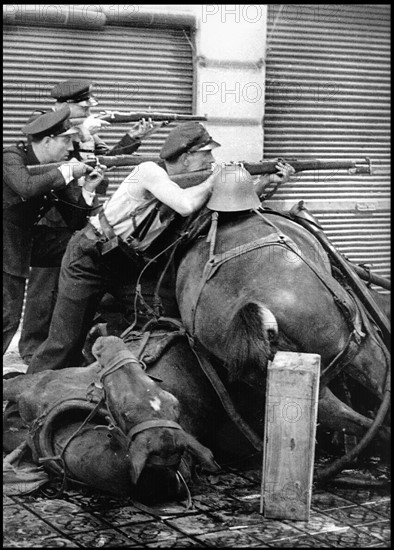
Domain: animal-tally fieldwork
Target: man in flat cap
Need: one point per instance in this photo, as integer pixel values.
(77, 94)
(26, 199)
(131, 217)
(133, 206)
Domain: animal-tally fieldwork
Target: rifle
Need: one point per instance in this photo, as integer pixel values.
(108, 161)
(269, 167)
(120, 117)
(193, 178)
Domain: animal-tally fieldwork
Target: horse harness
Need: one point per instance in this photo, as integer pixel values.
(40, 429)
(277, 238)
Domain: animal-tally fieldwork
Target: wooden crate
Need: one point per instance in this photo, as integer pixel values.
(289, 436)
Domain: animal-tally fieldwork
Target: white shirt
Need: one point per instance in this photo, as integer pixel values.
(124, 212)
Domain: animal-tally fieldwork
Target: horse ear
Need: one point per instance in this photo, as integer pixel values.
(139, 453)
(202, 454)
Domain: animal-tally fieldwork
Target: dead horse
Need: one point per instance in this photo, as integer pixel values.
(259, 283)
(107, 424)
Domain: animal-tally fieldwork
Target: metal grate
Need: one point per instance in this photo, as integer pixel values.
(133, 68)
(328, 97)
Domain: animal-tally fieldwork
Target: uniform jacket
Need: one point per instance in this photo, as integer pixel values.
(26, 199)
(126, 146)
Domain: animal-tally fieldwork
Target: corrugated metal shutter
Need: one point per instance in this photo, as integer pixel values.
(328, 97)
(134, 68)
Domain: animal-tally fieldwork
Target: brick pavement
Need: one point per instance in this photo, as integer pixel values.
(224, 513)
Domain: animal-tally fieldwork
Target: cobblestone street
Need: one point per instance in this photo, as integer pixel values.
(225, 513)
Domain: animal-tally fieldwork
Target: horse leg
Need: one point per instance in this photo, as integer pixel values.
(335, 415)
(370, 366)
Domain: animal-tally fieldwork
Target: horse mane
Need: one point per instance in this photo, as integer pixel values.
(249, 342)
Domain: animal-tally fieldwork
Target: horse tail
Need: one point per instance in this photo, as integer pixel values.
(251, 340)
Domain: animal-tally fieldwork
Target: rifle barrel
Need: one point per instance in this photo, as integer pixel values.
(126, 160)
(123, 117)
(269, 167)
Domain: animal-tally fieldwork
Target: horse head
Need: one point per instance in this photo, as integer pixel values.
(146, 413)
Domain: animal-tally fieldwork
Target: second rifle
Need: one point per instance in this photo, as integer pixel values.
(193, 178)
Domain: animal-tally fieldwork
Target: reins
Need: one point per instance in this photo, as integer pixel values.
(138, 293)
(120, 359)
(223, 394)
(277, 238)
(213, 263)
(355, 324)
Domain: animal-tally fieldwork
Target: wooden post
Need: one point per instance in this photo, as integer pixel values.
(289, 435)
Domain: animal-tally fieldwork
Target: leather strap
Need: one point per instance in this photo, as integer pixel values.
(223, 394)
(279, 239)
(105, 226)
(121, 358)
(142, 229)
(159, 423)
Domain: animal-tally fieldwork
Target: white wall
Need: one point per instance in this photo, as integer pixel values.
(230, 76)
(229, 72)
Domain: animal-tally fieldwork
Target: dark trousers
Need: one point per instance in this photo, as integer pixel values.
(13, 292)
(39, 305)
(49, 244)
(84, 278)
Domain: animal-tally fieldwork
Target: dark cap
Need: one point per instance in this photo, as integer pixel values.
(51, 123)
(187, 137)
(36, 113)
(74, 91)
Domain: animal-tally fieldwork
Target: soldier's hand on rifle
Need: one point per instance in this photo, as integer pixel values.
(91, 125)
(284, 173)
(143, 128)
(75, 169)
(94, 178)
